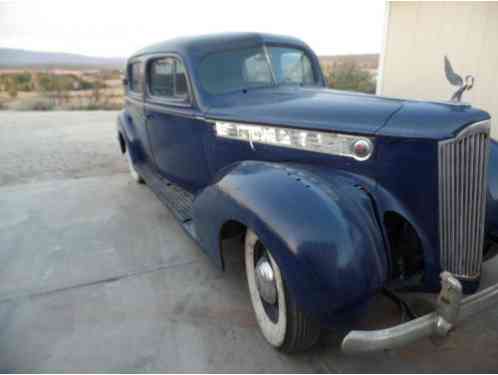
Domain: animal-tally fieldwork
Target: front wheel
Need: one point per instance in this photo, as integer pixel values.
(282, 323)
(133, 172)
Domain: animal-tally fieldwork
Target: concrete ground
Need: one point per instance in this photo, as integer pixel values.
(96, 275)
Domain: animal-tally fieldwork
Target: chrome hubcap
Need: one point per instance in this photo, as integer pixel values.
(265, 281)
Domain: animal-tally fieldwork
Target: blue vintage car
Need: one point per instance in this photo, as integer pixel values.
(336, 195)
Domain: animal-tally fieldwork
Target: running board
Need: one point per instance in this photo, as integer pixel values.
(177, 199)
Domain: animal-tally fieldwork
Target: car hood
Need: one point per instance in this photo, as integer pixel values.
(319, 109)
(431, 120)
(341, 111)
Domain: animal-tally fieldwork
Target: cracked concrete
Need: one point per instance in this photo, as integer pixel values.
(96, 275)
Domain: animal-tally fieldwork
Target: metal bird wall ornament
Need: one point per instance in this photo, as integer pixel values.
(457, 80)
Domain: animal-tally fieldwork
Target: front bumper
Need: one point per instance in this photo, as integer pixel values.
(451, 308)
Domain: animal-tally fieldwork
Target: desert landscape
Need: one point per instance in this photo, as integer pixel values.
(32, 80)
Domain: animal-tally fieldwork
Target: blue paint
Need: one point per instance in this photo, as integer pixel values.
(322, 232)
(492, 202)
(321, 215)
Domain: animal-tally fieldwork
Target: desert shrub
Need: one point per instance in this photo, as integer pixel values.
(90, 107)
(43, 105)
(113, 106)
(53, 82)
(102, 106)
(14, 82)
(36, 104)
(86, 85)
(9, 85)
(24, 81)
(351, 77)
(110, 74)
(12, 90)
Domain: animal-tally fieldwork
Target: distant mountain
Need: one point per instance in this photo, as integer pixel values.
(18, 58)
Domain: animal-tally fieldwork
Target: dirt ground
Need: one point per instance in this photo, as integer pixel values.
(96, 275)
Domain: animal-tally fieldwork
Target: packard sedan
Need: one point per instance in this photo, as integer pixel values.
(335, 195)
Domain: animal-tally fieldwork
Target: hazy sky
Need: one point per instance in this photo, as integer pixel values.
(118, 28)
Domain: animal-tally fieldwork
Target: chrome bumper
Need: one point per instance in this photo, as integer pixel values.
(451, 308)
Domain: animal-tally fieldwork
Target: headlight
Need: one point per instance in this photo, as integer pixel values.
(357, 147)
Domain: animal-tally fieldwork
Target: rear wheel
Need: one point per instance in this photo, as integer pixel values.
(133, 172)
(282, 323)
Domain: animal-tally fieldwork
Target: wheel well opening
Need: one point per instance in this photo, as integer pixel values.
(122, 143)
(407, 257)
(232, 242)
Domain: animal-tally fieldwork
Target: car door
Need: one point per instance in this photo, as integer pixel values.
(176, 136)
(135, 111)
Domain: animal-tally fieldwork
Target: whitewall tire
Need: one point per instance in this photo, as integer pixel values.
(133, 172)
(282, 324)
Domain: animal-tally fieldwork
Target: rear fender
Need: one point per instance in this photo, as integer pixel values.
(325, 237)
(126, 129)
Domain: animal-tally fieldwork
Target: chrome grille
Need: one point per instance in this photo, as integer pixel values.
(462, 200)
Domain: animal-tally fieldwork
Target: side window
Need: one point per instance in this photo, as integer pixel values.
(168, 79)
(135, 72)
(161, 77)
(181, 89)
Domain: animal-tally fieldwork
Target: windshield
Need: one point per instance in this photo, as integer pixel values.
(248, 68)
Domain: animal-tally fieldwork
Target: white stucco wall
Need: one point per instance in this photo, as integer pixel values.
(417, 37)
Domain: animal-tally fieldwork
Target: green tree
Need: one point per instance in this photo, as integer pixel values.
(349, 76)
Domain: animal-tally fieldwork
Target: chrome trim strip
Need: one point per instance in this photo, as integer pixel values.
(427, 325)
(330, 143)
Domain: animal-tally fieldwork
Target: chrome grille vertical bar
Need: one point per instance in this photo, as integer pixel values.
(474, 192)
(468, 184)
(447, 199)
(453, 205)
(454, 212)
(479, 193)
(482, 211)
(442, 207)
(458, 171)
(461, 199)
(462, 164)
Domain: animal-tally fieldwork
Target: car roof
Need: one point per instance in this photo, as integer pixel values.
(203, 44)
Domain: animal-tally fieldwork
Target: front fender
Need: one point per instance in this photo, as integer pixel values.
(325, 236)
(492, 199)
